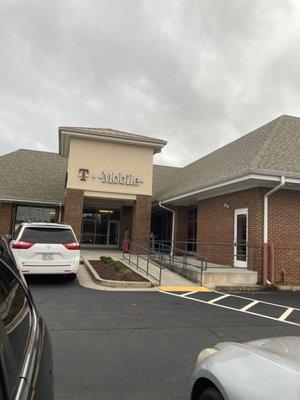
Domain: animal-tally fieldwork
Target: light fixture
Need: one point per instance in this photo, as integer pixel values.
(106, 211)
(226, 205)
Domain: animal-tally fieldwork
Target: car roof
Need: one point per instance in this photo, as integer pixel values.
(44, 225)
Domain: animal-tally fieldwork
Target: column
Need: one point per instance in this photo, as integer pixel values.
(5, 218)
(73, 210)
(141, 219)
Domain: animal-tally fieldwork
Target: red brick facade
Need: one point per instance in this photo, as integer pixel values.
(5, 218)
(73, 210)
(284, 232)
(141, 219)
(215, 230)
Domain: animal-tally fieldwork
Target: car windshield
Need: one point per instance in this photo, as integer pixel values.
(48, 235)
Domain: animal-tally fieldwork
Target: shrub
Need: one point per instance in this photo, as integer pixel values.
(109, 262)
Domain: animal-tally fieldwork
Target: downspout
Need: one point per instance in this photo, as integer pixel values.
(173, 226)
(266, 210)
(59, 214)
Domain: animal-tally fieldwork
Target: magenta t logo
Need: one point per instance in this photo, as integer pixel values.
(83, 174)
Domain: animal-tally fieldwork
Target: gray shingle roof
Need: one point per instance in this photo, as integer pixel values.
(162, 174)
(33, 175)
(274, 147)
(112, 133)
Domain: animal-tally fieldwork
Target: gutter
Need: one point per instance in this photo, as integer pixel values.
(266, 210)
(59, 216)
(173, 226)
(237, 178)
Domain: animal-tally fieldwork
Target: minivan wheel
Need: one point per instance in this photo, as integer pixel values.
(71, 277)
(211, 394)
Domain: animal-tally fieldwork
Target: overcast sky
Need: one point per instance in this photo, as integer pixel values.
(198, 73)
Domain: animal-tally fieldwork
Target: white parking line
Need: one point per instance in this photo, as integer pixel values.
(218, 298)
(236, 309)
(249, 305)
(286, 314)
(187, 294)
(261, 301)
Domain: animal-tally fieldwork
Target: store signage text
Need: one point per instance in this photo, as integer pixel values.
(111, 178)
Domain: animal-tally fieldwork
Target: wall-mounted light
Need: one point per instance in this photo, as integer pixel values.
(226, 205)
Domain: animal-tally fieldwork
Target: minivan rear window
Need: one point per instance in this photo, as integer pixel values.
(48, 235)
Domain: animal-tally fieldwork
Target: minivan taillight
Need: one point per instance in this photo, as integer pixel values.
(22, 245)
(72, 246)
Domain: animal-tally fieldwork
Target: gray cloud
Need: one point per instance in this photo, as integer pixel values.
(197, 73)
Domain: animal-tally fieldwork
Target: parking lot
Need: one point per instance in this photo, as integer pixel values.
(143, 345)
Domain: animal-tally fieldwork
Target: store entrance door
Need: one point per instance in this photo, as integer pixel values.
(240, 238)
(100, 227)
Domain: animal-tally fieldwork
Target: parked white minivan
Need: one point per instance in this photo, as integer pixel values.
(46, 248)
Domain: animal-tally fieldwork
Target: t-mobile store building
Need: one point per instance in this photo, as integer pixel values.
(238, 206)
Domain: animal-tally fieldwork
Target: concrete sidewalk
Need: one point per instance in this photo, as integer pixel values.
(168, 278)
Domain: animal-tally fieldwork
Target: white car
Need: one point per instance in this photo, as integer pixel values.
(45, 248)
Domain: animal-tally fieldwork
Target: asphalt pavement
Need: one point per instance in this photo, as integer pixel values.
(138, 345)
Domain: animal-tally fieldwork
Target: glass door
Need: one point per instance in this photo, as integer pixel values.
(240, 237)
(113, 233)
(100, 227)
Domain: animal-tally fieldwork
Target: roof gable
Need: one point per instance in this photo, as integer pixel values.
(273, 147)
(105, 134)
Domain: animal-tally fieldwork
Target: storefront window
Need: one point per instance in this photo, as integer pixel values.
(33, 214)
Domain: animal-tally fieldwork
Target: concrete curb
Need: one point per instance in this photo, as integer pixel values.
(287, 288)
(238, 288)
(115, 284)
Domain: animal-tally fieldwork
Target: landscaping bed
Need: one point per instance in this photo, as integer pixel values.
(113, 270)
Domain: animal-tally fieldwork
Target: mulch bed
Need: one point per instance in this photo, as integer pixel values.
(125, 274)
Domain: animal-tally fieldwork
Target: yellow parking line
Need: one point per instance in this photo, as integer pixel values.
(184, 289)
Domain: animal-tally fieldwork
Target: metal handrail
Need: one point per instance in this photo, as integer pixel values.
(147, 258)
(181, 260)
(248, 254)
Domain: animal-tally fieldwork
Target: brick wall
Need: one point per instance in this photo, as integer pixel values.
(5, 218)
(73, 210)
(125, 222)
(216, 225)
(141, 218)
(284, 232)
